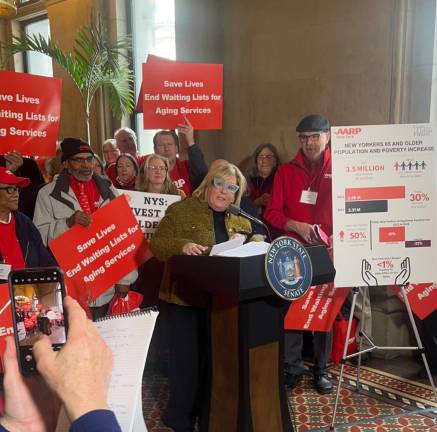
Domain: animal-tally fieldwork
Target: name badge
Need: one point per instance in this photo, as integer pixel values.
(5, 269)
(308, 197)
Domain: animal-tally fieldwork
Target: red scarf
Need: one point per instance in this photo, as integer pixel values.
(86, 193)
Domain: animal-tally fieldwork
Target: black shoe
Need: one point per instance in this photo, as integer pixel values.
(292, 380)
(323, 383)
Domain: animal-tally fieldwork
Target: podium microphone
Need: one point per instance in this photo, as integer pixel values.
(237, 211)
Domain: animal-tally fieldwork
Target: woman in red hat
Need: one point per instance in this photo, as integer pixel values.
(20, 241)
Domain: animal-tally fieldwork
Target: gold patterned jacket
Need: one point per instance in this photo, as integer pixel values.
(190, 220)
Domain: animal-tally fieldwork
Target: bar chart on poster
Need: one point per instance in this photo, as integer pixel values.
(384, 204)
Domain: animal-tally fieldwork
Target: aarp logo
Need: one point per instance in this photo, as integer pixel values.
(347, 132)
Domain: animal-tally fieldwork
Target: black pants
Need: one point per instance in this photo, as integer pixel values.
(293, 340)
(188, 348)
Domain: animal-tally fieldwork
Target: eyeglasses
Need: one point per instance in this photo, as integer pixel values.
(267, 157)
(221, 184)
(165, 145)
(157, 168)
(10, 189)
(311, 138)
(79, 160)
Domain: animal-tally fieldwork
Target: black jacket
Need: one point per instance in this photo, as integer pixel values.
(35, 254)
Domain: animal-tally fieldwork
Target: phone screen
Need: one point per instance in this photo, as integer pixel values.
(37, 296)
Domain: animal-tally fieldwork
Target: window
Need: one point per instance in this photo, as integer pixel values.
(36, 63)
(153, 32)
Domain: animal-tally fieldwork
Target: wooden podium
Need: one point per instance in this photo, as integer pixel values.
(246, 391)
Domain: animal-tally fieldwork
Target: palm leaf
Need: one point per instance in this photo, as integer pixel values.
(38, 43)
(94, 62)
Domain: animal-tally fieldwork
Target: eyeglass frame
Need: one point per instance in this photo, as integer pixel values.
(8, 188)
(269, 157)
(315, 137)
(219, 183)
(79, 160)
(157, 168)
(167, 145)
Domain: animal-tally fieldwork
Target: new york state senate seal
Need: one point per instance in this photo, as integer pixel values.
(288, 268)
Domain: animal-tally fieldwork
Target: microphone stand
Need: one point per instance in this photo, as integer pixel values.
(237, 211)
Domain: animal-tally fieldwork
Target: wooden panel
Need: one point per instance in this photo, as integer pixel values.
(225, 376)
(264, 388)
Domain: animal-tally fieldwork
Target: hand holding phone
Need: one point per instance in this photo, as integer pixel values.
(37, 308)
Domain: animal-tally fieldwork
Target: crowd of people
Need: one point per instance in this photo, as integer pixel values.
(291, 198)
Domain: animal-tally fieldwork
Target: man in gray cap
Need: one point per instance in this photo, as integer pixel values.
(71, 199)
(301, 200)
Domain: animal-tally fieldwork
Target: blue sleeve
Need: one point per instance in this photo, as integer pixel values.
(2, 429)
(44, 256)
(198, 167)
(96, 421)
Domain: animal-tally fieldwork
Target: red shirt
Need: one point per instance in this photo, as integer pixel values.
(291, 179)
(92, 194)
(10, 248)
(180, 174)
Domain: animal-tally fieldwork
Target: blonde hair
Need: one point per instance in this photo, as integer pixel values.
(223, 171)
(142, 185)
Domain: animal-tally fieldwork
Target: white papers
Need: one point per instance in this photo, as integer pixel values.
(129, 338)
(248, 249)
(227, 245)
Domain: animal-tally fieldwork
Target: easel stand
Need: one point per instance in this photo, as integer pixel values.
(374, 347)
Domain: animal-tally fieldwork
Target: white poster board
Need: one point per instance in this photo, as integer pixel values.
(148, 208)
(384, 204)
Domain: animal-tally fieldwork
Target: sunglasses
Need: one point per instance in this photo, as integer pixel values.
(221, 184)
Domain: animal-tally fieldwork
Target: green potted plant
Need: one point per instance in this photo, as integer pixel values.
(94, 63)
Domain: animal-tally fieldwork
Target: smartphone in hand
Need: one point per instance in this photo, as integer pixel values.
(37, 308)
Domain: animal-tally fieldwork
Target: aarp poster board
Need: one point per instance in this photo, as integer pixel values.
(98, 256)
(30, 109)
(148, 208)
(384, 204)
(172, 90)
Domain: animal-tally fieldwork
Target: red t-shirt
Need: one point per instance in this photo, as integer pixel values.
(10, 248)
(180, 175)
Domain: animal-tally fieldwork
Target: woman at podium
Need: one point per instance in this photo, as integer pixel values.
(192, 227)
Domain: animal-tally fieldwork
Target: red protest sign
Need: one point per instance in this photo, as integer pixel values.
(97, 257)
(317, 309)
(29, 114)
(422, 298)
(6, 324)
(172, 90)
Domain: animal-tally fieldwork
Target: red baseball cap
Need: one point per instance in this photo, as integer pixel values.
(8, 178)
